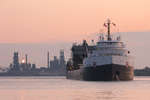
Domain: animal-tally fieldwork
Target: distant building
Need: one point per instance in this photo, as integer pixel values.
(58, 65)
(16, 61)
(54, 64)
(142, 72)
(62, 62)
(62, 58)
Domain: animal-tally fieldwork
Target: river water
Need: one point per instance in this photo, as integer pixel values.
(59, 88)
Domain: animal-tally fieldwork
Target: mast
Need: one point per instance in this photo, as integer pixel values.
(108, 30)
(107, 24)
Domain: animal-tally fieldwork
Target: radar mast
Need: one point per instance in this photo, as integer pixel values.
(107, 24)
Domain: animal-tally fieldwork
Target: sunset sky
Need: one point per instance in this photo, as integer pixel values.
(57, 21)
(60, 20)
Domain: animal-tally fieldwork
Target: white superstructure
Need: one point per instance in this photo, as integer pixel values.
(109, 51)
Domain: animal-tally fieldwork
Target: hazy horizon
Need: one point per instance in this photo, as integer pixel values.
(37, 52)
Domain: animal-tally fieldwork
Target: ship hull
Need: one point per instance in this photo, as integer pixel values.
(110, 72)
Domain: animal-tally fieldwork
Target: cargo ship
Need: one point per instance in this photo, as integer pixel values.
(108, 60)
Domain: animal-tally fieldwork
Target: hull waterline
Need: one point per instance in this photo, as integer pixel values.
(111, 72)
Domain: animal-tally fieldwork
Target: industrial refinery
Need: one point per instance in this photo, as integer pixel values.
(55, 66)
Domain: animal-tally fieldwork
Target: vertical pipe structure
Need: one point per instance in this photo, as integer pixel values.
(48, 60)
(26, 58)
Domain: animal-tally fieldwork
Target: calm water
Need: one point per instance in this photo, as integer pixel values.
(59, 88)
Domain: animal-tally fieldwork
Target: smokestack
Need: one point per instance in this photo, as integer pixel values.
(26, 59)
(48, 60)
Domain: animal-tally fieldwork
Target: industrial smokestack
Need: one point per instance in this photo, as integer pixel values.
(48, 60)
(26, 59)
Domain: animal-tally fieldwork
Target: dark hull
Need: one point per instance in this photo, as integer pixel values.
(111, 72)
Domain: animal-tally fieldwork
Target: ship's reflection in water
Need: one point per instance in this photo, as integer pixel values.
(59, 88)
